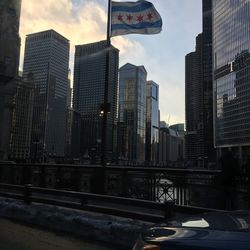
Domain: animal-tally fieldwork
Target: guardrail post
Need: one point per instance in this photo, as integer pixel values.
(125, 183)
(169, 209)
(27, 193)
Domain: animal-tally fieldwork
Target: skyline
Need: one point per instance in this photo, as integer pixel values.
(163, 55)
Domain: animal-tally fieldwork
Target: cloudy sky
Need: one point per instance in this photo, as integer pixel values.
(163, 55)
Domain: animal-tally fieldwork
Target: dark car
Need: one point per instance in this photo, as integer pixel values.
(211, 231)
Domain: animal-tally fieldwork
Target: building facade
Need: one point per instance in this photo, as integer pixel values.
(152, 122)
(192, 80)
(171, 147)
(199, 95)
(231, 78)
(9, 39)
(132, 113)
(88, 95)
(47, 58)
(22, 120)
(9, 62)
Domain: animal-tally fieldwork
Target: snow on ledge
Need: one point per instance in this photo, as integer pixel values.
(96, 226)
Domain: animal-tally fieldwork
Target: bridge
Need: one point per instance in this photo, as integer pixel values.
(142, 193)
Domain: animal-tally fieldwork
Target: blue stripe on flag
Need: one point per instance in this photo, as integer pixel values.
(138, 26)
(138, 8)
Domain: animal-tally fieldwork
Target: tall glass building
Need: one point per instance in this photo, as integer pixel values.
(231, 45)
(47, 59)
(152, 122)
(132, 112)
(88, 95)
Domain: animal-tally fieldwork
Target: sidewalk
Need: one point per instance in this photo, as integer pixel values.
(15, 236)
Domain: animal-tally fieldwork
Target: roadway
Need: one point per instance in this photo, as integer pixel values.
(15, 236)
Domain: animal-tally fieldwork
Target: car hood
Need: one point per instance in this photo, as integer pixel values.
(194, 238)
(217, 230)
(225, 221)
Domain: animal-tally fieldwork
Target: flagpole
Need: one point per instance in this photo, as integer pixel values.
(105, 103)
(108, 21)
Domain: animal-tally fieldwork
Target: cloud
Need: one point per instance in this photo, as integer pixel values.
(85, 24)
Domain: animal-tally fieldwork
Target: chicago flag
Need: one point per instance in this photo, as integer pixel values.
(139, 17)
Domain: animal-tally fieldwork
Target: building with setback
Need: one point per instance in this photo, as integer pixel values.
(132, 113)
(9, 62)
(88, 95)
(47, 58)
(199, 95)
(152, 122)
(231, 54)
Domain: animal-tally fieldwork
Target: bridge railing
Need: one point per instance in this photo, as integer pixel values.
(118, 206)
(181, 186)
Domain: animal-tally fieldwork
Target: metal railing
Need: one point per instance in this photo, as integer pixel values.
(192, 187)
(118, 206)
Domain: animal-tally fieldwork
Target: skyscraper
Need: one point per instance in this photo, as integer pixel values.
(231, 45)
(132, 112)
(193, 82)
(9, 61)
(47, 58)
(152, 122)
(199, 95)
(88, 95)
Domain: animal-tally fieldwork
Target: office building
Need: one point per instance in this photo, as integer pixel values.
(22, 120)
(231, 45)
(199, 95)
(152, 122)
(132, 113)
(88, 96)
(9, 62)
(47, 58)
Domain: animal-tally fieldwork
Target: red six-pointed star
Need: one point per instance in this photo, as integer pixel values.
(119, 17)
(140, 18)
(150, 16)
(129, 17)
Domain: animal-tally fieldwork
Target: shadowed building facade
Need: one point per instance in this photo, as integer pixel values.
(231, 54)
(132, 113)
(22, 120)
(9, 61)
(199, 95)
(152, 122)
(47, 58)
(88, 96)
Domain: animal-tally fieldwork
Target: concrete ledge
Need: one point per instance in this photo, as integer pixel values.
(95, 226)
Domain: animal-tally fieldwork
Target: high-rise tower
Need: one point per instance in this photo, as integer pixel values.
(88, 95)
(47, 58)
(132, 112)
(199, 95)
(152, 122)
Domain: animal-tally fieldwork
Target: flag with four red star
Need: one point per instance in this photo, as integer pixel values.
(139, 17)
